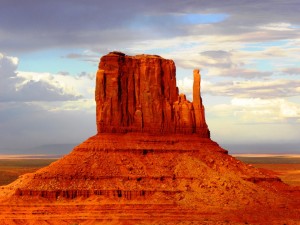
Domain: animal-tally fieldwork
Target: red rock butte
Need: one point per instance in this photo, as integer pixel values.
(139, 94)
(151, 162)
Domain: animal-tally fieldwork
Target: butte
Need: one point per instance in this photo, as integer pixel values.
(151, 162)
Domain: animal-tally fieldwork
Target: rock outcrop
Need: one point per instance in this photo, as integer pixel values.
(139, 94)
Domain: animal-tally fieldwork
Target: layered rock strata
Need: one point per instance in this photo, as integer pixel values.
(147, 167)
(139, 94)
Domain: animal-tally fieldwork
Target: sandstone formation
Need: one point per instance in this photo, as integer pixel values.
(139, 94)
(151, 162)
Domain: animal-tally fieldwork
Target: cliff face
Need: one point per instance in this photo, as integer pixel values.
(139, 94)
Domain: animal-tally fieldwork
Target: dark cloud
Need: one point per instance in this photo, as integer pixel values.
(38, 24)
(39, 91)
(219, 59)
(227, 65)
(292, 71)
(90, 76)
(220, 54)
(32, 24)
(255, 89)
(245, 73)
(73, 56)
(247, 17)
(87, 57)
(64, 73)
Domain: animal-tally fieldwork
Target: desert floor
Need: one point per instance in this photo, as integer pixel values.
(287, 167)
(12, 166)
(92, 211)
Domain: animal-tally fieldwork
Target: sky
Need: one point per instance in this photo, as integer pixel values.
(247, 51)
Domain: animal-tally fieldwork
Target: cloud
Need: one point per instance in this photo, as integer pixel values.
(86, 105)
(264, 89)
(266, 110)
(245, 73)
(248, 53)
(211, 35)
(243, 61)
(86, 55)
(254, 120)
(28, 125)
(73, 56)
(30, 86)
(217, 54)
(117, 23)
(255, 89)
(278, 27)
(251, 111)
(185, 86)
(39, 108)
(292, 71)
(215, 59)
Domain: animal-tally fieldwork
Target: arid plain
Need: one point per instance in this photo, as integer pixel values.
(286, 167)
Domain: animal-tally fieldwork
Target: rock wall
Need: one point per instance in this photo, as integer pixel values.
(139, 94)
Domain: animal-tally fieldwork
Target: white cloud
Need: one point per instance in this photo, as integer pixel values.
(55, 108)
(185, 85)
(225, 56)
(256, 89)
(265, 89)
(256, 110)
(277, 26)
(82, 86)
(32, 86)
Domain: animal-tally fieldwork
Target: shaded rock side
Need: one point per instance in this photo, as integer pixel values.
(139, 94)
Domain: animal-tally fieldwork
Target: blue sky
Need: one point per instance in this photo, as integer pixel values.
(248, 53)
(54, 61)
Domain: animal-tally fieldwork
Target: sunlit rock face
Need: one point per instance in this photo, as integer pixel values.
(139, 94)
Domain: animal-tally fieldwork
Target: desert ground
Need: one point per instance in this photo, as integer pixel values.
(285, 166)
(13, 166)
(93, 211)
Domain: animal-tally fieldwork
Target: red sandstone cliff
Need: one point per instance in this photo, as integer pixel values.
(139, 94)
